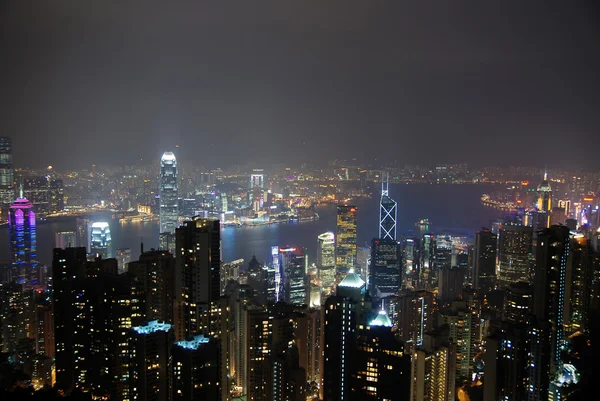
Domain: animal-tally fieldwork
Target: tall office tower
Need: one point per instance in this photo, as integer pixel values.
(426, 272)
(22, 237)
(443, 252)
(257, 185)
(381, 370)
(274, 276)
(345, 241)
(544, 193)
(484, 261)
(549, 303)
(506, 363)
(197, 272)
(514, 254)
(258, 333)
(363, 261)
(101, 240)
(168, 191)
(56, 197)
(37, 190)
(462, 321)
(411, 254)
(386, 268)
(341, 315)
(67, 268)
(415, 315)
(388, 213)
(326, 262)
(7, 189)
(451, 283)
(295, 282)
(65, 239)
(257, 279)
(123, 258)
(151, 365)
(155, 273)
(196, 369)
(433, 374)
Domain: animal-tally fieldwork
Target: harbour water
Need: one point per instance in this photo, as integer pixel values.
(454, 209)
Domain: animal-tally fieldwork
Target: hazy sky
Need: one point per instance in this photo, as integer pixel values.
(488, 82)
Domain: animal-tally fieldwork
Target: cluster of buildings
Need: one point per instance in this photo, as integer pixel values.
(417, 316)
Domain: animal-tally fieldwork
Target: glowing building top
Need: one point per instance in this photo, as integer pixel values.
(382, 319)
(544, 202)
(152, 327)
(193, 344)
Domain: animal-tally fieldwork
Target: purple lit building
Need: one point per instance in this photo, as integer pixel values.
(22, 237)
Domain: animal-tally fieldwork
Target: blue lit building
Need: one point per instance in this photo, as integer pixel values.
(101, 240)
(22, 237)
(168, 191)
(197, 369)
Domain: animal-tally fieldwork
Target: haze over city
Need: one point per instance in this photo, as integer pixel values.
(504, 83)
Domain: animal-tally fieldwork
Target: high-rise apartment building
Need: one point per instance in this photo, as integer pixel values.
(7, 189)
(345, 241)
(168, 191)
(433, 370)
(196, 370)
(484, 260)
(197, 279)
(553, 252)
(65, 239)
(451, 282)
(415, 315)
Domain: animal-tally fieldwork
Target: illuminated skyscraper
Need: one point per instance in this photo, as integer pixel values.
(101, 241)
(345, 241)
(65, 239)
(22, 237)
(293, 265)
(388, 213)
(168, 191)
(326, 261)
(514, 254)
(7, 189)
(386, 268)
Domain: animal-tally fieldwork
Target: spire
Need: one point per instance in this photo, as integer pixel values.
(21, 189)
(384, 184)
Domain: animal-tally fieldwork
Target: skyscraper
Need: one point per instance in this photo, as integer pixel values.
(514, 254)
(168, 192)
(7, 189)
(101, 240)
(433, 374)
(544, 191)
(326, 261)
(65, 239)
(386, 268)
(549, 301)
(295, 282)
(197, 286)
(22, 237)
(345, 241)
(388, 213)
(484, 260)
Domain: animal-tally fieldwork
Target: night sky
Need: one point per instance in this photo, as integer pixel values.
(484, 82)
